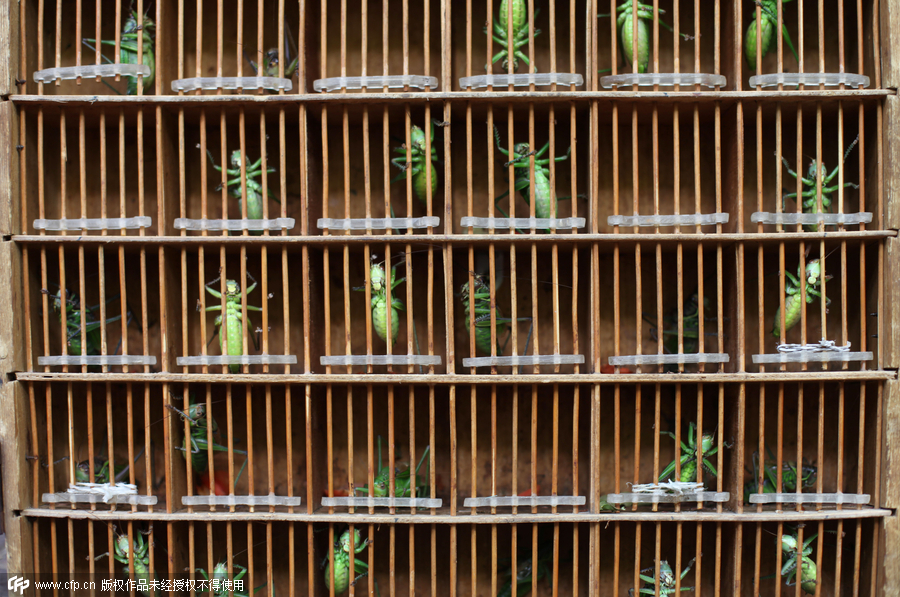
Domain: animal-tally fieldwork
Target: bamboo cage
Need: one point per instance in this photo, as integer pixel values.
(595, 273)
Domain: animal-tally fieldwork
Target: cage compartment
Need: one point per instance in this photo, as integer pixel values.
(844, 553)
(259, 447)
(656, 163)
(340, 43)
(643, 427)
(357, 157)
(848, 135)
(490, 170)
(247, 47)
(828, 428)
(554, 325)
(646, 303)
(354, 327)
(831, 42)
(278, 345)
(850, 313)
(76, 423)
(558, 44)
(117, 283)
(693, 51)
(89, 164)
(258, 135)
(61, 47)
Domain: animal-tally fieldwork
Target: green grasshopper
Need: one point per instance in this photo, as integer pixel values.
(342, 558)
(216, 584)
(381, 483)
(667, 580)
(141, 554)
(790, 476)
(271, 59)
(417, 164)
(482, 317)
(527, 573)
(518, 27)
(626, 32)
(689, 455)
(101, 470)
(769, 13)
(128, 48)
(92, 341)
(233, 326)
(254, 187)
(542, 191)
(810, 204)
(793, 302)
(196, 443)
(379, 304)
(793, 551)
(690, 327)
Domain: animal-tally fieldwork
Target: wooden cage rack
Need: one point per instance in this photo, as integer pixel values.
(583, 297)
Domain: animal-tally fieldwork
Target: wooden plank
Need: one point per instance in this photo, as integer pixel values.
(461, 380)
(424, 517)
(14, 425)
(890, 319)
(890, 44)
(606, 241)
(9, 45)
(506, 97)
(9, 169)
(890, 486)
(891, 156)
(12, 330)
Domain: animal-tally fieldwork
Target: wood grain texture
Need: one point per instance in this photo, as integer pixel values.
(9, 44)
(9, 169)
(890, 44)
(14, 424)
(890, 324)
(12, 354)
(891, 156)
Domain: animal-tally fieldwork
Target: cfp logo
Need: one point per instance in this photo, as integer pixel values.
(16, 584)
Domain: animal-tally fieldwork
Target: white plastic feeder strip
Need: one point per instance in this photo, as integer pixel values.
(824, 351)
(94, 493)
(246, 359)
(668, 492)
(48, 75)
(669, 359)
(240, 500)
(793, 218)
(381, 502)
(379, 359)
(390, 81)
(94, 223)
(521, 80)
(377, 223)
(670, 220)
(214, 83)
(860, 499)
(663, 80)
(97, 360)
(525, 501)
(827, 79)
(205, 224)
(524, 223)
(525, 360)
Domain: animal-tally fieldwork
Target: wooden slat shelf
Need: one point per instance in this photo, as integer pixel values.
(625, 239)
(442, 518)
(462, 380)
(501, 97)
